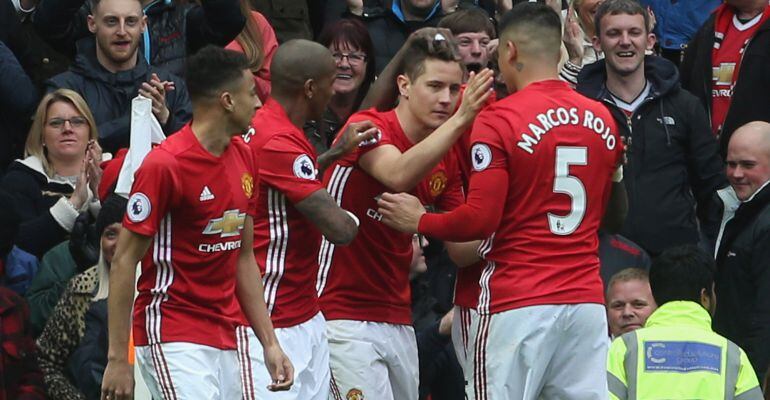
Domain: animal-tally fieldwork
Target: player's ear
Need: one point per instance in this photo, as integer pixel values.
(513, 52)
(403, 83)
(226, 101)
(309, 88)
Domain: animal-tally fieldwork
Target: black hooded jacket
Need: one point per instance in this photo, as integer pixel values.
(109, 94)
(673, 162)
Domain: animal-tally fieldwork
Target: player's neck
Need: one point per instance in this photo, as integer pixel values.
(530, 72)
(213, 132)
(295, 110)
(414, 130)
(628, 87)
(750, 11)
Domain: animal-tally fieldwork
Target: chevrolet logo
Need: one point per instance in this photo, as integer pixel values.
(230, 224)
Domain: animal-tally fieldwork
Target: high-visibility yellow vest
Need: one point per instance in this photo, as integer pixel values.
(677, 356)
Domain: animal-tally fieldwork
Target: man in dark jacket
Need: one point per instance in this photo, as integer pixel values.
(174, 30)
(108, 72)
(725, 66)
(18, 99)
(391, 23)
(672, 156)
(743, 246)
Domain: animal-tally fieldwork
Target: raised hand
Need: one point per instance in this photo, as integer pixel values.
(93, 166)
(476, 94)
(573, 38)
(80, 194)
(155, 90)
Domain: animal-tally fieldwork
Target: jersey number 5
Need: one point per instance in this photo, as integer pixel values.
(571, 186)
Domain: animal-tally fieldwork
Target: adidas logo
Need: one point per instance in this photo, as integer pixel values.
(206, 194)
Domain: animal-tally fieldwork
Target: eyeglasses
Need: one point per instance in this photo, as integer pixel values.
(353, 58)
(75, 122)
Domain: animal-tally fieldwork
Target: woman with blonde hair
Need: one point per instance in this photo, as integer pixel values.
(59, 175)
(258, 42)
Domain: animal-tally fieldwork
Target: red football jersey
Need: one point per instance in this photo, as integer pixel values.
(560, 151)
(368, 280)
(467, 287)
(194, 205)
(285, 242)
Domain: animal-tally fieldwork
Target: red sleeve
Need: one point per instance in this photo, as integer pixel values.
(288, 167)
(152, 194)
(380, 121)
(488, 190)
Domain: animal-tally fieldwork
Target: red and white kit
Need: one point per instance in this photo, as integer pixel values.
(286, 248)
(367, 282)
(193, 205)
(546, 154)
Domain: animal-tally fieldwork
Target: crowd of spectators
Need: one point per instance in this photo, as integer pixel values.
(688, 91)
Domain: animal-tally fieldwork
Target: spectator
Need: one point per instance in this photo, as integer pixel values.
(676, 23)
(629, 301)
(66, 326)
(579, 31)
(743, 247)
(682, 357)
(258, 42)
(617, 253)
(473, 30)
(19, 374)
(57, 267)
(391, 23)
(353, 53)
(725, 66)
(60, 174)
(673, 163)
(175, 28)
(108, 72)
(18, 98)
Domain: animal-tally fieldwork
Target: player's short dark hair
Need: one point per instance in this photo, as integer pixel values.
(615, 7)
(680, 274)
(213, 69)
(539, 20)
(471, 20)
(441, 48)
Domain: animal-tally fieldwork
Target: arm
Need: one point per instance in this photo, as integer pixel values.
(758, 333)
(463, 254)
(18, 96)
(476, 219)
(58, 340)
(215, 22)
(355, 134)
(617, 209)
(250, 295)
(403, 171)
(118, 380)
(333, 222)
(704, 165)
(616, 371)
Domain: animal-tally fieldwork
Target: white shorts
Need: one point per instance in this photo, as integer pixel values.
(541, 352)
(373, 360)
(465, 323)
(182, 370)
(307, 348)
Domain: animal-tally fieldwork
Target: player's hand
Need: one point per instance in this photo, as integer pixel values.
(355, 134)
(573, 38)
(400, 211)
(155, 90)
(476, 94)
(280, 369)
(118, 381)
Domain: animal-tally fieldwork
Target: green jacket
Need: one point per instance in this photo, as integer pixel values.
(677, 356)
(56, 269)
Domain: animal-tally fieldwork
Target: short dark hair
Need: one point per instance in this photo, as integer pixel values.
(472, 20)
(615, 7)
(92, 4)
(212, 69)
(681, 273)
(539, 20)
(441, 48)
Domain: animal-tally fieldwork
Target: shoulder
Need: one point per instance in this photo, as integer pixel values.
(379, 118)
(25, 175)
(85, 282)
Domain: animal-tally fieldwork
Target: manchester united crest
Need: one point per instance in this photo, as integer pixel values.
(437, 183)
(355, 394)
(247, 183)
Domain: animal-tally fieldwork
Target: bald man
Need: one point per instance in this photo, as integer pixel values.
(293, 211)
(743, 246)
(543, 159)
